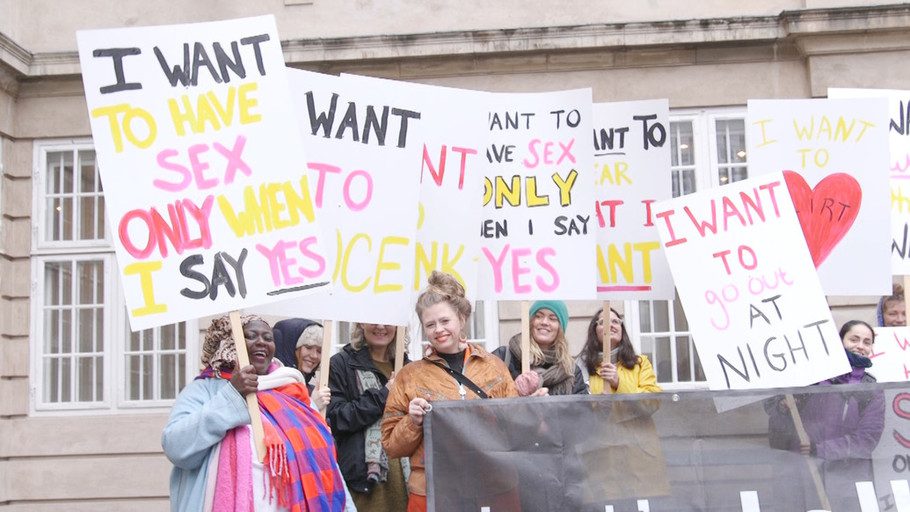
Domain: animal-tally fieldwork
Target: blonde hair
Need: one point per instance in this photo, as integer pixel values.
(442, 287)
(560, 349)
(359, 341)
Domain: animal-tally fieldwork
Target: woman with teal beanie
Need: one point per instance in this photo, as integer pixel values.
(550, 357)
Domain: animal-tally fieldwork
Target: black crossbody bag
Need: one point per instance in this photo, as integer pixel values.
(463, 380)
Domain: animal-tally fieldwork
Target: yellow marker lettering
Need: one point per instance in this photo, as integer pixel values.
(510, 193)
(448, 264)
(565, 186)
(382, 264)
(186, 116)
(145, 269)
(248, 103)
(645, 249)
(531, 193)
(346, 260)
(111, 112)
(423, 262)
(764, 133)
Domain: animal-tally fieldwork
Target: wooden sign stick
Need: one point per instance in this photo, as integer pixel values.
(804, 439)
(252, 403)
(401, 336)
(328, 328)
(607, 346)
(525, 336)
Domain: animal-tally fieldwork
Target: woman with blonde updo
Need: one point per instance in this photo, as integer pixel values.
(453, 370)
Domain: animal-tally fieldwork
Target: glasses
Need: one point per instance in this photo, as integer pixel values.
(613, 321)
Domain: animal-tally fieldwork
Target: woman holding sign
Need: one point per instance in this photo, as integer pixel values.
(841, 429)
(360, 377)
(623, 371)
(550, 357)
(208, 437)
(455, 369)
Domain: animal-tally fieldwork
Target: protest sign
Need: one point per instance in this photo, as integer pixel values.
(538, 221)
(899, 168)
(363, 146)
(836, 154)
(755, 306)
(200, 159)
(891, 354)
(451, 180)
(891, 456)
(632, 166)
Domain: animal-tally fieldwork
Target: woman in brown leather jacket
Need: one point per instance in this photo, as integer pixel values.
(443, 311)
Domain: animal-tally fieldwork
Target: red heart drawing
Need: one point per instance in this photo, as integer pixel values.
(825, 212)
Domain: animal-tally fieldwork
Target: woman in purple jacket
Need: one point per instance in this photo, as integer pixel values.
(843, 428)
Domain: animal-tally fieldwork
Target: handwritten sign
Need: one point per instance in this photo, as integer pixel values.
(451, 180)
(754, 303)
(631, 170)
(834, 153)
(364, 148)
(891, 354)
(899, 169)
(201, 165)
(538, 221)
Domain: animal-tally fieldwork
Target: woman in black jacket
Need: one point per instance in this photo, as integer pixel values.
(360, 376)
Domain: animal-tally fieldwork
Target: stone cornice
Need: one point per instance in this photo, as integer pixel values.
(889, 21)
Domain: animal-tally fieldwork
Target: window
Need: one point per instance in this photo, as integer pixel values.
(708, 149)
(84, 356)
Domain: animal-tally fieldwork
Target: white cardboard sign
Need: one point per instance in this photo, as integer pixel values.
(199, 156)
(834, 154)
(751, 295)
(538, 218)
(631, 170)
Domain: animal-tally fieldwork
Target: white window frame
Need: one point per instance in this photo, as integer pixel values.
(115, 315)
(707, 176)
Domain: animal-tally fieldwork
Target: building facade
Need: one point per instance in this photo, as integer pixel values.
(83, 400)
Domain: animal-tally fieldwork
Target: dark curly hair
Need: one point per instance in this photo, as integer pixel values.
(593, 347)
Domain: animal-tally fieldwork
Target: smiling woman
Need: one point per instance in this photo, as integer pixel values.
(208, 440)
(454, 369)
(552, 366)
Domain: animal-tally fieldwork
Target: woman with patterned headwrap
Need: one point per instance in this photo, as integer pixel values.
(208, 438)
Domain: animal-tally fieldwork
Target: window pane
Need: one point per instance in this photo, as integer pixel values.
(85, 379)
(74, 204)
(644, 316)
(168, 376)
(133, 373)
(731, 140)
(662, 361)
(73, 317)
(683, 372)
(167, 337)
(739, 173)
(682, 143)
(661, 316)
(679, 316)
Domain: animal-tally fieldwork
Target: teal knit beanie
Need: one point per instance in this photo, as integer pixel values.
(556, 306)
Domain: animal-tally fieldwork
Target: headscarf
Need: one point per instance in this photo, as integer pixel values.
(218, 350)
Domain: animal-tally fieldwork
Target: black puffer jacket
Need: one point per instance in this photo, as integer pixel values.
(350, 412)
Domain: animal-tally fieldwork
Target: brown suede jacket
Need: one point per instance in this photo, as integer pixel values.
(400, 437)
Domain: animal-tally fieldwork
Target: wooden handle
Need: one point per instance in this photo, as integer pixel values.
(252, 403)
(525, 336)
(804, 439)
(328, 328)
(401, 335)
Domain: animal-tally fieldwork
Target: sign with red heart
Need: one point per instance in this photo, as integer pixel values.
(825, 212)
(837, 154)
